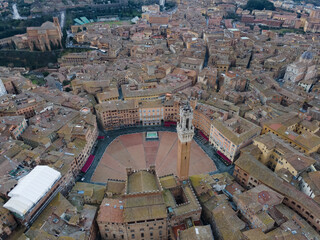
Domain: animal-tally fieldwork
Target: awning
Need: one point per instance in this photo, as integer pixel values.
(87, 164)
(169, 123)
(224, 157)
(203, 135)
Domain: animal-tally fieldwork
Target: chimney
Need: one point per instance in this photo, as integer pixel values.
(129, 171)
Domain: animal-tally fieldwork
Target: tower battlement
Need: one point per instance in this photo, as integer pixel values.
(185, 131)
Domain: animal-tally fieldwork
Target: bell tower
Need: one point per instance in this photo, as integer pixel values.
(185, 132)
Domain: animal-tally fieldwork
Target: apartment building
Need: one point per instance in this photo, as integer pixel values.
(229, 136)
(255, 205)
(22, 104)
(151, 113)
(12, 126)
(73, 59)
(249, 172)
(79, 137)
(7, 222)
(279, 155)
(109, 95)
(144, 91)
(157, 19)
(192, 63)
(75, 141)
(172, 83)
(203, 115)
(299, 133)
(64, 218)
(171, 110)
(44, 126)
(310, 185)
(116, 114)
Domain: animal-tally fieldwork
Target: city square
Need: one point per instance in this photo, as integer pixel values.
(134, 151)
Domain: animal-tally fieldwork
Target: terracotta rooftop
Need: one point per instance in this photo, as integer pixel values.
(142, 181)
(111, 210)
(294, 157)
(259, 171)
(197, 233)
(228, 129)
(227, 222)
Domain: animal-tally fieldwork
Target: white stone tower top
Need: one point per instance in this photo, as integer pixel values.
(3, 90)
(185, 129)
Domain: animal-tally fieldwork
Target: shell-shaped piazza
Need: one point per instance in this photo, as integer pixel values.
(134, 151)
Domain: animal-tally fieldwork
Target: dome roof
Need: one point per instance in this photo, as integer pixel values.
(307, 55)
(48, 25)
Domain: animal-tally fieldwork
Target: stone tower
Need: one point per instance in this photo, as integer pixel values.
(3, 90)
(58, 27)
(185, 132)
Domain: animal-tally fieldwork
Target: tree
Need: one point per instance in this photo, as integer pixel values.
(259, 5)
(66, 82)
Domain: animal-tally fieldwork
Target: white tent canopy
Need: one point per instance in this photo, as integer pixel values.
(31, 189)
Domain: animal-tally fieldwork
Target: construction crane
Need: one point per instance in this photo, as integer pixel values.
(14, 166)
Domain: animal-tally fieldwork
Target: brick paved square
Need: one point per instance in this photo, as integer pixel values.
(133, 151)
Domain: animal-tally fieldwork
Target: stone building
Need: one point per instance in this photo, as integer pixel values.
(147, 207)
(151, 113)
(303, 69)
(310, 185)
(204, 115)
(65, 220)
(45, 37)
(7, 222)
(22, 104)
(196, 232)
(116, 114)
(12, 126)
(80, 134)
(229, 136)
(192, 63)
(255, 205)
(300, 133)
(249, 172)
(278, 155)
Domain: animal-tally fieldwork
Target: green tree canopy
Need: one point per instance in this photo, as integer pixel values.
(259, 5)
